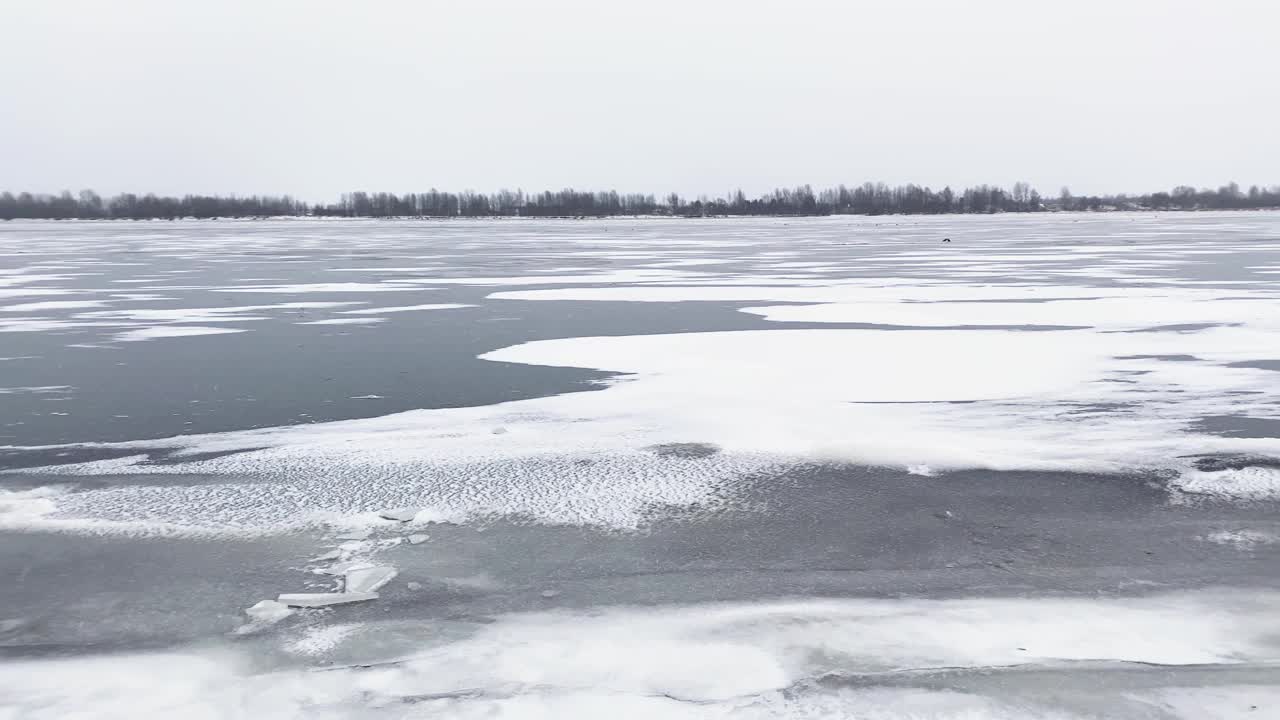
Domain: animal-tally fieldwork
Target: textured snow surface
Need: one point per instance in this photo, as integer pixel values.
(769, 659)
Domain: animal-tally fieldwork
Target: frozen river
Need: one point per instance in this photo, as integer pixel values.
(648, 468)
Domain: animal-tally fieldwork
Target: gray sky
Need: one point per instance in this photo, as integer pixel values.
(698, 96)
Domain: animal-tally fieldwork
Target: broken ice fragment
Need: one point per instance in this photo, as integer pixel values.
(331, 555)
(369, 579)
(266, 612)
(362, 534)
(401, 515)
(418, 538)
(325, 599)
(343, 568)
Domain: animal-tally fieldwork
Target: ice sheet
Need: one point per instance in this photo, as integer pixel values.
(1096, 398)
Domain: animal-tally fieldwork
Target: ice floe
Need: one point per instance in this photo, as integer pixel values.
(267, 612)
(368, 579)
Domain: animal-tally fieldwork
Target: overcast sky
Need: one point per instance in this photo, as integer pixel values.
(697, 96)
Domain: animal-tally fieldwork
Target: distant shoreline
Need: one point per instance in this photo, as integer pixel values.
(653, 217)
(872, 199)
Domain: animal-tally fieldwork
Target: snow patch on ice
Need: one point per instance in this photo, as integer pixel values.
(303, 288)
(1243, 539)
(208, 315)
(405, 308)
(172, 331)
(1249, 482)
(52, 305)
(344, 321)
(36, 390)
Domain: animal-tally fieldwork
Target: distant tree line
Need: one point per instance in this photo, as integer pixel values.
(88, 205)
(866, 199)
(1183, 197)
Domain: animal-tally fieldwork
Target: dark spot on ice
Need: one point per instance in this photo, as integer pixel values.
(684, 450)
(1020, 328)
(1167, 358)
(985, 301)
(1238, 426)
(1257, 364)
(1218, 463)
(1095, 408)
(177, 458)
(19, 458)
(1184, 327)
(912, 402)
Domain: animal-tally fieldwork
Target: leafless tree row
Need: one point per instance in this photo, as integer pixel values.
(865, 199)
